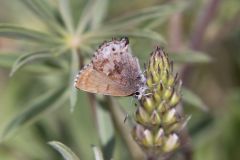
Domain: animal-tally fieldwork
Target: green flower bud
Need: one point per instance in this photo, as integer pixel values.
(147, 139)
(174, 99)
(148, 104)
(170, 117)
(171, 143)
(158, 139)
(141, 116)
(137, 133)
(157, 96)
(150, 81)
(155, 118)
(171, 80)
(162, 107)
(167, 93)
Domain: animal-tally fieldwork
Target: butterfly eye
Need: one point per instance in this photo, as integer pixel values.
(113, 49)
(137, 93)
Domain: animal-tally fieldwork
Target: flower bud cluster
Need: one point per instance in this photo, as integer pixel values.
(156, 115)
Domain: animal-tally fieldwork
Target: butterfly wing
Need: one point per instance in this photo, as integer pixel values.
(112, 71)
(93, 81)
(114, 59)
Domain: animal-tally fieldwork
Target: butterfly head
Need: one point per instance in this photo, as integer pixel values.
(142, 87)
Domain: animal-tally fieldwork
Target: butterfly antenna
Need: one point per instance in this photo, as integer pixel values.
(148, 94)
(126, 118)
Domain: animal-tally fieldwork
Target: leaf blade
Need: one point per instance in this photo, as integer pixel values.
(100, 10)
(37, 107)
(190, 56)
(65, 151)
(137, 17)
(43, 11)
(18, 32)
(97, 153)
(85, 18)
(7, 59)
(73, 72)
(97, 36)
(193, 99)
(26, 58)
(66, 15)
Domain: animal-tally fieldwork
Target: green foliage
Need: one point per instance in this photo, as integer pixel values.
(190, 57)
(64, 150)
(53, 54)
(35, 109)
(193, 99)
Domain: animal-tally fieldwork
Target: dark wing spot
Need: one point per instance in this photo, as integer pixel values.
(99, 65)
(118, 67)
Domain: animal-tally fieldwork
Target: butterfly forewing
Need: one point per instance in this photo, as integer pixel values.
(115, 60)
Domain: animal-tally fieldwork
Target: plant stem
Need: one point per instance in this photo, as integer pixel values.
(205, 17)
(118, 119)
(93, 105)
(175, 31)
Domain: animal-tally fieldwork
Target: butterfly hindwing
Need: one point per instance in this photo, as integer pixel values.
(93, 81)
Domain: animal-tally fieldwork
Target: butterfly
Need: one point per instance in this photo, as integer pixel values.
(113, 71)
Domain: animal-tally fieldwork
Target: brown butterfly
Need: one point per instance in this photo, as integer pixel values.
(112, 71)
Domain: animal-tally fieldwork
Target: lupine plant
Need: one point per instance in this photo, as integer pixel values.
(70, 34)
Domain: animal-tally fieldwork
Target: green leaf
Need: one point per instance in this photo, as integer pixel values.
(40, 8)
(7, 59)
(36, 108)
(66, 14)
(193, 99)
(85, 18)
(99, 12)
(190, 57)
(73, 72)
(46, 13)
(26, 58)
(98, 36)
(97, 153)
(18, 32)
(137, 17)
(155, 22)
(65, 151)
(146, 34)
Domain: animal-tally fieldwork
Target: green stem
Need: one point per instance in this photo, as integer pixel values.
(118, 119)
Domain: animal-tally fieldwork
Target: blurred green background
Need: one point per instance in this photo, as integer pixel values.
(43, 43)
